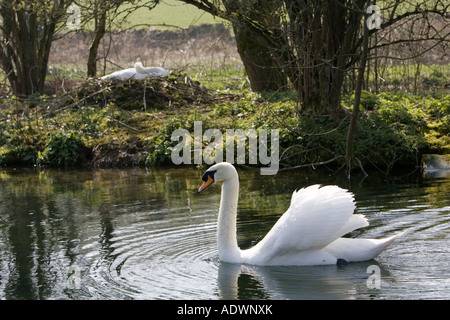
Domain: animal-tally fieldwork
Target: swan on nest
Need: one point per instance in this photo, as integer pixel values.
(138, 72)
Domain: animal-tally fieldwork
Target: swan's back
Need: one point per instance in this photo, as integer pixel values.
(121, 74)
(138, 72)
(150, 71)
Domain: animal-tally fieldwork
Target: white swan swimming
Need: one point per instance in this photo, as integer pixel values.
(308, 233)
(138, 72)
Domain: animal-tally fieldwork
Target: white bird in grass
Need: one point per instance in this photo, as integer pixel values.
(138, 72)
(308, 233)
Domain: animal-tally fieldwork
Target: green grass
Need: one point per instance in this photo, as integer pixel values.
(172, 13)
(411, 77)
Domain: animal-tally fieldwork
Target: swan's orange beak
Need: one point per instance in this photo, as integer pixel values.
(205, 184)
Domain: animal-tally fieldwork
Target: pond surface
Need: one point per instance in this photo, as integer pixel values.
(148, 234)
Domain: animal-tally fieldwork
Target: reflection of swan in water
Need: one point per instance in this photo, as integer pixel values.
(138, 72)
(237, 281)
(309, 233)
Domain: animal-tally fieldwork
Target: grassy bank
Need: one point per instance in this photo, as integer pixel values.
(97, 125)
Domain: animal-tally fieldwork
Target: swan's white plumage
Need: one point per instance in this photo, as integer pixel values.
(308, 233)
(359, 249)
(309, 222)
(138, 72)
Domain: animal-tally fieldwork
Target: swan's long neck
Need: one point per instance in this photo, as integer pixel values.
(226, 226)
(140, 68)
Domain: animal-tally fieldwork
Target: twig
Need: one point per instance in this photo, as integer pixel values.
(145, 102)
(312, 164)
(123, 124)
(83, 99)
(361, 167)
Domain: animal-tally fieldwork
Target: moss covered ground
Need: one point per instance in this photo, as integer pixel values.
(130, 123)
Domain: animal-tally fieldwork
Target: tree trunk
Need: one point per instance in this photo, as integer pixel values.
(262, 70)
(259, 60)
(93, 50)
(322, 35)
(357, 101)
(27, 34)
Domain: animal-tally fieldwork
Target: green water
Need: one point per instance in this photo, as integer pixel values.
(148, 234)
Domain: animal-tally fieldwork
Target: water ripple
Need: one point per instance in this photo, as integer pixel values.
(143, 258)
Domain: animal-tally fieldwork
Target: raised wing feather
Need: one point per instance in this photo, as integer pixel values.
(316, 217)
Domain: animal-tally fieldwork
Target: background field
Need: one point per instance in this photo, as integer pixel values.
(171, 13)
(181, 37)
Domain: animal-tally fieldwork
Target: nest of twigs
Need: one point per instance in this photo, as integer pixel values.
(174, 91)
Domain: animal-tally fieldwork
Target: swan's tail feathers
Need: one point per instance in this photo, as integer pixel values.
(356, 221)
(353, 250)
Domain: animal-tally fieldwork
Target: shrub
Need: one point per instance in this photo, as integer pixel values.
(62, 149)
(160, 146)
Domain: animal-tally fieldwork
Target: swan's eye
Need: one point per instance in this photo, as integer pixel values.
(208, 174)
